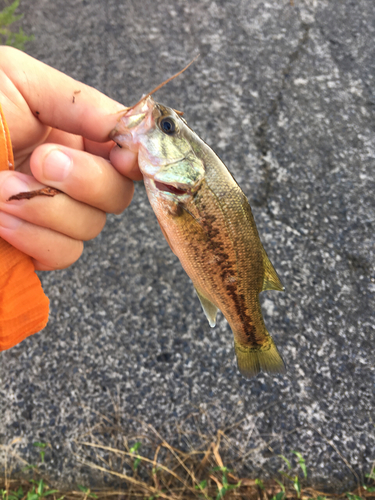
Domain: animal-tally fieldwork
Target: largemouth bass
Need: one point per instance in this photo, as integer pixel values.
(208, 224)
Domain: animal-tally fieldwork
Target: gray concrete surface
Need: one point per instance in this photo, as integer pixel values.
(285, 94)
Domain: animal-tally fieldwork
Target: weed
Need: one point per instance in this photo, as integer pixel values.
(370, 489)
(286, 461)
(294, 479)
(87, 492)
(202, 487)
(138, 459)
(301, 462)
(353, 497)
(225, 486)
(12, 495)
(259, 483)
(39, 490)
(7, 36)
(166, 472)
(279, 496)
(42, 450)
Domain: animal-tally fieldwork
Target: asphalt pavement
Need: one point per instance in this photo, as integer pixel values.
(284, 92)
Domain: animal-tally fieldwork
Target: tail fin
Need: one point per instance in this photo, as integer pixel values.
(251, 360)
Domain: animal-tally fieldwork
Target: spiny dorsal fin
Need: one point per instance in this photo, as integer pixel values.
(209, 309)
(270, 280)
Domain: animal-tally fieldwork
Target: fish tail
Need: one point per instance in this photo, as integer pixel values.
(251, 360)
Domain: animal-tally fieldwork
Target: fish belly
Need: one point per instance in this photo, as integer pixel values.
(218, 245)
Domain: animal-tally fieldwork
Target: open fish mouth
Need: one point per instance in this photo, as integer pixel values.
(169, 188)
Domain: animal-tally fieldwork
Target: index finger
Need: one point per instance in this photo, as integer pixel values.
(59, 101)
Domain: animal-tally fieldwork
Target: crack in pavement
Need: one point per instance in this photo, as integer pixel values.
(262, 129)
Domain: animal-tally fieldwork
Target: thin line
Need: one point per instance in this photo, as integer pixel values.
(164, 83)
(337, 451)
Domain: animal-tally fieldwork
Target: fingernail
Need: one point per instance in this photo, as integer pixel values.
(57, 166)
(11, 186)
(8, 221)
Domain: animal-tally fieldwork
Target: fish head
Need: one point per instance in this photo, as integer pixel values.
(165, 146)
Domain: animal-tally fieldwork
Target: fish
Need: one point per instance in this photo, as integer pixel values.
(208, 224)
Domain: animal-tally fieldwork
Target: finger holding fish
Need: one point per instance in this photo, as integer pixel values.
(126, 163)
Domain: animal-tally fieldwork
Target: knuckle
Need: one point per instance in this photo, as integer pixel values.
(74, 254)
(124, 200)
(94, 228)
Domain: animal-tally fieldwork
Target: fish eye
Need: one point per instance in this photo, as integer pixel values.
(167, 125)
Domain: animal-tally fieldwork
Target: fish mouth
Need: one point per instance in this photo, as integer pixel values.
(169, 188)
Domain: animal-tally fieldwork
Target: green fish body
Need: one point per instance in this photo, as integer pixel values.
(208, 224)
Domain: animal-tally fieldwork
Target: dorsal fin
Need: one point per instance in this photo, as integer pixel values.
(270, 280)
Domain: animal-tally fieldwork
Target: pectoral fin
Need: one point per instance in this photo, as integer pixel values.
(209, 309)
(166, 236)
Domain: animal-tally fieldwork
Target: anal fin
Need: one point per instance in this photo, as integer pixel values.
(209, 309)
(271, 281)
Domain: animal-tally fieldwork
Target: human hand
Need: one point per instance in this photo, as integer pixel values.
(59, 130)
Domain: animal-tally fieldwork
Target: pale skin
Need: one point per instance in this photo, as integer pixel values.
(59, 129)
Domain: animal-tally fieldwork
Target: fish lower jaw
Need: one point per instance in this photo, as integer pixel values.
(170, 188)
(173, 189)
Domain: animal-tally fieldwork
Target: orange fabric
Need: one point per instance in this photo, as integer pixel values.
(23, 305)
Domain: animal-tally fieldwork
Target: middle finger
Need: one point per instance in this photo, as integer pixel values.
(60, 213)
(85, 177)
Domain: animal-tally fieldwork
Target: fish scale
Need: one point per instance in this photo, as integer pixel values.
(208, 223)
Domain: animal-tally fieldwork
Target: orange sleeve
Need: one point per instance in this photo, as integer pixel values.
(23, 305)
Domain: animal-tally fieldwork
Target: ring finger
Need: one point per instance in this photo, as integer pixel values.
(49, 249)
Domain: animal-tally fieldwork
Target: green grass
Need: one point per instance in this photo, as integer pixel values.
(7, 34)
(170, 473)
